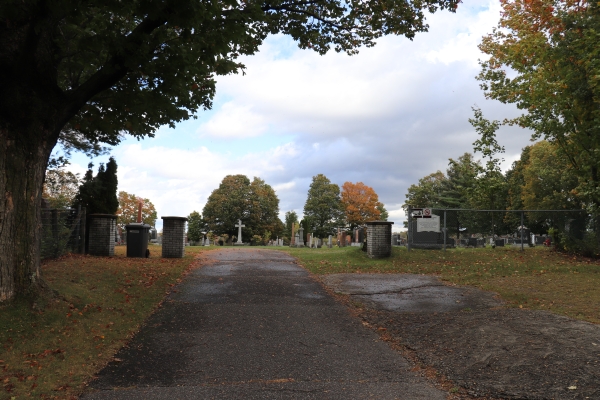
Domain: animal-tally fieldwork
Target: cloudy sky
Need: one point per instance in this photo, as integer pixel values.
(386, 117)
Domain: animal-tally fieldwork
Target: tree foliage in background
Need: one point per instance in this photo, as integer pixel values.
(383, 213)
(60, 186)
(361, 204)
(490, 184)
(128, 210)
(227, 204)
(98, 194)
(544, 57)
(542, 179)
(461, 176)
(323, 206)
(255, 203)
(290, 218)
(196, 227)
(427, 192)
(86, 73)
(263, 211)
(454, 189)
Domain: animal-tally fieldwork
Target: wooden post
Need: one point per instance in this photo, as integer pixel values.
(140, 205)
(292, 239)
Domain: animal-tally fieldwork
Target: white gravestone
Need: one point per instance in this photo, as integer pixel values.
(239, 226)
(428, 224)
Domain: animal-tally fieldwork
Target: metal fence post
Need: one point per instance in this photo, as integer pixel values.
(76, 246)
(83, 230)
(408, 233)
(54, 230)
(444, 232)
(522, 229)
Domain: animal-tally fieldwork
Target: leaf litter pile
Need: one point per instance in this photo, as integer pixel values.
(53, 345)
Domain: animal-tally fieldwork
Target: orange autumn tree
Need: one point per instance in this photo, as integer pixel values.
(361, 204)
(128, 210)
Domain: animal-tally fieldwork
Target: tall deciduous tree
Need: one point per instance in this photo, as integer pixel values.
(549, 181)
(543, 57)
(361, 204)
(88, 72)
(128, 210)
(227, 204)
(255, 203)
(428, 192)
(263, 210)
(323, 206)
(490, 185)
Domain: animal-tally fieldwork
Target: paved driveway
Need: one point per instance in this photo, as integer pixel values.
(251, 324)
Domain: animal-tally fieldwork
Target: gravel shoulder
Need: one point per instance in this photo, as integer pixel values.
(471, 338)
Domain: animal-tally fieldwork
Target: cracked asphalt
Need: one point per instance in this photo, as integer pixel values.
(252, 324)
(467, 335)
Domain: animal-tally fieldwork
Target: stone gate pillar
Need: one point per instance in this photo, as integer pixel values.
(101, 234)
(379, 239)
(173, 238)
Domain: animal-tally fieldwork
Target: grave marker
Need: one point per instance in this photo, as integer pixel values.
(239, 226)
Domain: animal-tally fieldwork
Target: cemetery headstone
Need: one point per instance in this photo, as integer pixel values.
(300, 237)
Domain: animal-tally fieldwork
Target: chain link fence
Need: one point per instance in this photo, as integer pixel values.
(63, 231)
(568, 230)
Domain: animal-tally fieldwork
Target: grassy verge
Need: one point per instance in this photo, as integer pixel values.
(53, 346)
(537, 278)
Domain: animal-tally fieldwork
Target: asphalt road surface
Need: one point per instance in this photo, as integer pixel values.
(251, 324)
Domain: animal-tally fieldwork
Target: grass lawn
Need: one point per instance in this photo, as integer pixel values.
(536, 278)
(53, 346)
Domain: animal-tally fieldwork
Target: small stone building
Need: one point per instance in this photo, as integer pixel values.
(379, 239)
(101, 234)
(173, 237)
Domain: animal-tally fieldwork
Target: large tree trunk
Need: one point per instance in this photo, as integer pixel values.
(24, 156)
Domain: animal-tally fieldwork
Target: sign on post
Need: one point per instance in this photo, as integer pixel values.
(431, 224)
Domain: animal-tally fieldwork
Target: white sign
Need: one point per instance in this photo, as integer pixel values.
(429, 224)
(427, 212)
(417, 213)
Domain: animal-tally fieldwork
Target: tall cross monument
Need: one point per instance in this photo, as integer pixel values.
(239, 226)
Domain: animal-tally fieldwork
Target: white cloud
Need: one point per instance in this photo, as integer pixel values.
(234, 121)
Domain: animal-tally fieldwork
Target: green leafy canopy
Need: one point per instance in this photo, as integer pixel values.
(113, 67)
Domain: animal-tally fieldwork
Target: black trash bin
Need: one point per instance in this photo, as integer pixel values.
(137, 240)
